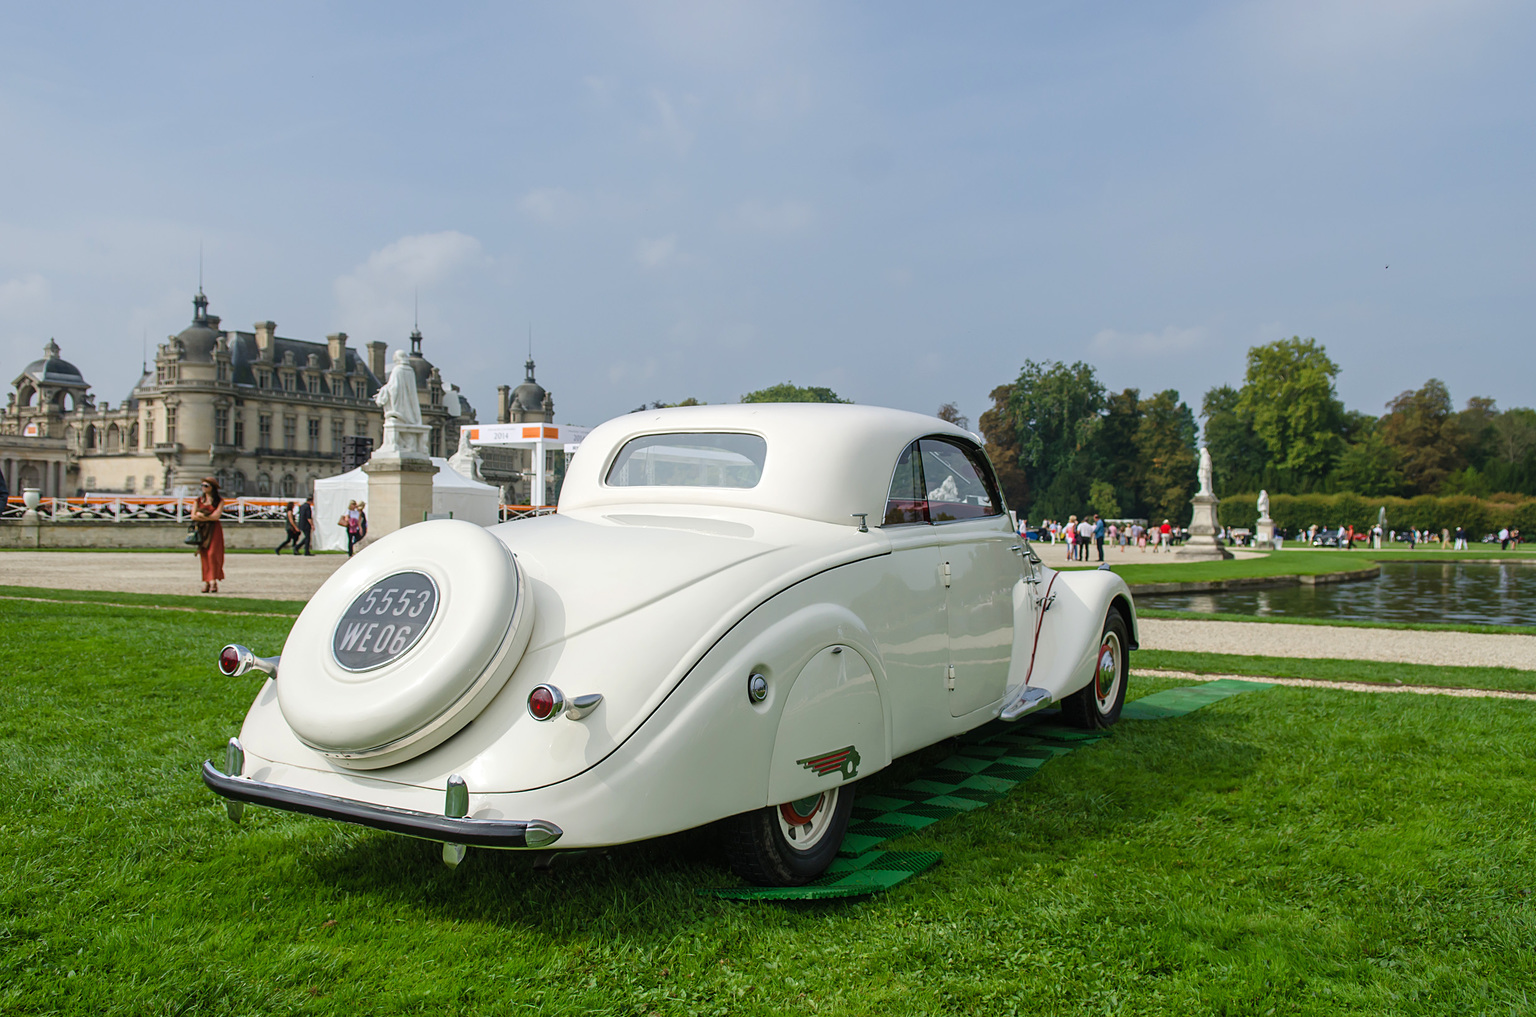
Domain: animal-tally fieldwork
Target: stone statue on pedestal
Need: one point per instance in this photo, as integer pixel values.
(1203, 543)
(466, 462)
(1264, 532)
(403, 429)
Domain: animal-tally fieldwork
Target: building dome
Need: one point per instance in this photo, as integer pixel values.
(529, 396)
(53, 369)
(199, 338)
(420, 365)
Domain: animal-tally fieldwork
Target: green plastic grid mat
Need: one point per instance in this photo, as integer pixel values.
(991, 761)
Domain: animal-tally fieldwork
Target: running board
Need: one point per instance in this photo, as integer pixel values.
(1026, 702)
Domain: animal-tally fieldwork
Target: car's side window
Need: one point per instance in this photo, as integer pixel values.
(959, 483)
(906, 502)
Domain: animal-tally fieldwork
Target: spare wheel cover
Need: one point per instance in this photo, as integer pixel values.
(369, 686)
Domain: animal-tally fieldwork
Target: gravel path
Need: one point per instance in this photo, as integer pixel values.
(1466, 649)
(1308, 683)
(266, 576)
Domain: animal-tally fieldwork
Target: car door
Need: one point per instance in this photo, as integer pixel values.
(978, 566)
(907, 613)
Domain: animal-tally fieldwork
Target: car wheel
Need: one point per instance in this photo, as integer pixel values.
(1097, 704)
(789, 844)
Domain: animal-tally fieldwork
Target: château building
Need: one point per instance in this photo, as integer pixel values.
(266, 415)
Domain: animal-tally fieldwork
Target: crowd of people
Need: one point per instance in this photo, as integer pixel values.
(1090, 534)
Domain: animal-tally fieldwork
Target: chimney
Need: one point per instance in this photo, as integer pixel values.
(503, 404)
(265, 330)
(338, 349)
(376, 359)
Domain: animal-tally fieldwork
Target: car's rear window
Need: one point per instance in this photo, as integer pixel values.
(712, 459)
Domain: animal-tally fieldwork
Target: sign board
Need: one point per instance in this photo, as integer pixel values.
(30, 431)
(506, 434)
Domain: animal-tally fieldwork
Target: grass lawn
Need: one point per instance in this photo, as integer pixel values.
(1383, 672)
(226, 605)
(1287, 851)
(1299, 562)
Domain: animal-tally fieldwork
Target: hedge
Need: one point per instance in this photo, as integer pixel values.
(1427, 512)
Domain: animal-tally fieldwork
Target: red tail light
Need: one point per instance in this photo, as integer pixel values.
(545, 702)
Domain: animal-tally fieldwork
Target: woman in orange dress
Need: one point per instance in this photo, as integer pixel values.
(210, 550)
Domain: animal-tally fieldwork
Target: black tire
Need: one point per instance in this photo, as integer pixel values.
(762, 852)
(1094, 705)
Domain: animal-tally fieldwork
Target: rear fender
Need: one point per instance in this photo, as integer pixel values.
(832, 728)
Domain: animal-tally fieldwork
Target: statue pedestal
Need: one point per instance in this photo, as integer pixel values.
(1264, 533)
(1203, 544)
(399, 490)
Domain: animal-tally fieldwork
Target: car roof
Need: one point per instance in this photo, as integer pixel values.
(824, 461)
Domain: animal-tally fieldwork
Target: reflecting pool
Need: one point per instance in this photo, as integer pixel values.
(1491, 593)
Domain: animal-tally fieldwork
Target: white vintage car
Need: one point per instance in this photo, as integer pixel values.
(737, 613)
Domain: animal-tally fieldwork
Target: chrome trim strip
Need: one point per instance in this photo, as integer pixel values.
(581, 706)
(494, 833)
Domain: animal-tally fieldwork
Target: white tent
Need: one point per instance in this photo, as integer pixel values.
(451, 492)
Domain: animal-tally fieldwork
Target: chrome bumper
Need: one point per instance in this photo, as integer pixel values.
(491, 833)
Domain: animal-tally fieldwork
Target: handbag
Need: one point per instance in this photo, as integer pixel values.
(193, 538)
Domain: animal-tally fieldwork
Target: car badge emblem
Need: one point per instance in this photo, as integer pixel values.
(844, 759)
(384, 621)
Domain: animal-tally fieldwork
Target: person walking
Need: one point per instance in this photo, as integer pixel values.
(206, 514)
(352, 522)
(1503, 538)
(1165, 537)
(306, 520)
(1461, 538)
(1084, 538)
(1098, 535)
(292, 540)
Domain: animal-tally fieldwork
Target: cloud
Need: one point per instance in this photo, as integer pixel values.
(783, 219)
(23, 293)
(1172, 339)
(670, 126)
(657, 253)
(376, 297)
(548, 204)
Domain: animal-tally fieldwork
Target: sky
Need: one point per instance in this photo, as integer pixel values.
(901, 201)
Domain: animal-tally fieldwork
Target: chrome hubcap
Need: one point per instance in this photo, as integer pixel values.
(1107, 680)
(805, 822)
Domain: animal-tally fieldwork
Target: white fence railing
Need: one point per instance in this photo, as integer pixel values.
(128, 509)
(507, 512)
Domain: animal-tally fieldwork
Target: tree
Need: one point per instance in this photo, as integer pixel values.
(659, 405)
(1101, 498)
(1002, 443)
(1514, 435)
(951, 413)
(789, 392)
(1368, 467)
(1119, 461)
(1478, 423)
(1056, 412)
(1165, 447)
(1288, 394)
(1426, 435)
(1238, 455)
